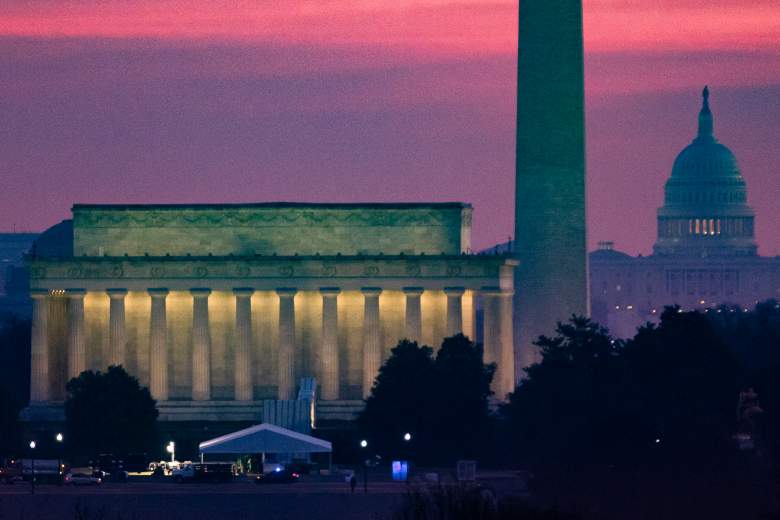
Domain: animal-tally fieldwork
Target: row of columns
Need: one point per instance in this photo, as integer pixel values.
(498, 339)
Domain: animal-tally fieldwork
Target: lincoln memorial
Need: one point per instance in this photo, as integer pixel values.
(218, 308)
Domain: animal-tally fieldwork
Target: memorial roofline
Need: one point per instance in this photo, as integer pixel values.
(177, 258)
(297, 205)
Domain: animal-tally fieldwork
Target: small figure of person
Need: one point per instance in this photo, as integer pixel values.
(352, 482)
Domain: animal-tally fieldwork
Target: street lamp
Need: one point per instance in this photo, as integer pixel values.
(59, 438)
(32, 467)
(407, 445)
(364, 445)
(171, 448)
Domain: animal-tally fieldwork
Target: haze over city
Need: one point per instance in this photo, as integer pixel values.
(175, 101)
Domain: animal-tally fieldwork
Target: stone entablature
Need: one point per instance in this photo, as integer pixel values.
(271, 271)
(271, 228)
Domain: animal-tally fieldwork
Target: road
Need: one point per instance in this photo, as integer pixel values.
(195, 501)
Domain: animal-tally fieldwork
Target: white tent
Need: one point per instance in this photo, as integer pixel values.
(265, 438)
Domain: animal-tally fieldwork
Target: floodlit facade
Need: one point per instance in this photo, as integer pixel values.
(217, 308)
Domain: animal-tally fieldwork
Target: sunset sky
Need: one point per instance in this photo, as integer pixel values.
(146, 101)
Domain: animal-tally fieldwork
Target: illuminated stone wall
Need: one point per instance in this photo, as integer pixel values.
(272, 229)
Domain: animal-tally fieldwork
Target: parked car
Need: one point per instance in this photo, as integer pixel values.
(277, 476)
(50, 471)
(203, 471)
(11, 473)
(82, 479)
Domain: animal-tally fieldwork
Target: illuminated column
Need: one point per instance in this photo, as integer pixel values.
(158, 346)
(39, 362)
(413, 313)
(497, 335)
(330, 347)
(454, 310)
(116, 326)
(201, 345)
(286, 384)
(77, 348)
(372, 351)
(243, 359)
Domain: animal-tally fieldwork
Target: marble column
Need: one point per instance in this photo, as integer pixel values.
(40, 386)
(413, 313)
(330, 348)
(286, 351)
(116, 327)
(201, 345)
(372, 341)
(158, 346)
(497, 305)
(454, 310)
(77, 346)
(244, 389)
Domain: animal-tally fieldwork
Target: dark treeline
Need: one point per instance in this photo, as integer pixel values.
(682, 391)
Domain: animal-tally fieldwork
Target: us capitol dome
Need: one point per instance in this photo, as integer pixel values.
(705, 211)
(705, 255)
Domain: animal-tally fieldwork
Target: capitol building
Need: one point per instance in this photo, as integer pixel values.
(705, 254)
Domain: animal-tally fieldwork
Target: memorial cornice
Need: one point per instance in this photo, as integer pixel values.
(277, 215)
(269, 267)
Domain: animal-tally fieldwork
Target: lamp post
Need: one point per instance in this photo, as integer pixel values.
(32, 467)
(363, 446)
(407, 445)
(59, 438)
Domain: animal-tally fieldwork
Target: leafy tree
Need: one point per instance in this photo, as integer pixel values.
(754, 339)
(442, 402)
(109, 412)
(685, 382)
(9, 423)
(462, 392)
(668, 393)
(568, 408)
(400, 400)
(14, 378)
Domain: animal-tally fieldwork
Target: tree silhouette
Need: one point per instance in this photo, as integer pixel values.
(109, 412)
(568, 408)
(442, 402)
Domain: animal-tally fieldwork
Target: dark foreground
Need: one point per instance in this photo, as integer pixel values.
(594, 494)
(169, 501)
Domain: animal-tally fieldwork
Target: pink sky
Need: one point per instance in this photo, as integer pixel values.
(173, 101)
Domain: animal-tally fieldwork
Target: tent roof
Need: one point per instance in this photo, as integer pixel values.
(265, 438)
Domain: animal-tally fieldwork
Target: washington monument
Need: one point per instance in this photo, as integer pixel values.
(550, 233)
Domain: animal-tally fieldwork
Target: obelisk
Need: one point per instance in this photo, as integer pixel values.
(550, 231)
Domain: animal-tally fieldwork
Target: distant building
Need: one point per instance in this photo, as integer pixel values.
(14, 286)
(705, 254)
